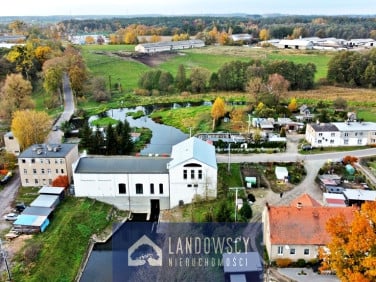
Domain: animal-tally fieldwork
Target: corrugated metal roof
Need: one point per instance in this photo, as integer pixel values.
(30, 220)
(45, 201)
(51, 190)
(193, 148)
(47, 151)
(42, 211)
(124, 164)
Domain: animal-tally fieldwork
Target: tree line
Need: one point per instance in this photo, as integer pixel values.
(346, 27)
(232, 76)
(354, 69)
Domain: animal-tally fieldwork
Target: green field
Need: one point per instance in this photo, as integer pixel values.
(101, 62)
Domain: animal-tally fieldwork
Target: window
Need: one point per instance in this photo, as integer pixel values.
(139, 188)
(44, 182)
(195, 185)
(189, 185)
(319, 141)
(306, 252)
(25, 171)
(23, 161)
(332, 134)
(320, 134)
(61, 161)
(356, 133)
(32, 161)
(151, 188)
(48, 170)
(292, 251)
(200, 174)
(42, 171)
(34, 171)
(346, 134)
(359, 141)
(62, 170)
(57, 170)
(36, 181)
(346, 141)
(331, 141)
(192, 174)
(47, 161)
(50, 181)
(160, 188)
(122, 188)
(185, 174)
(280, 250)
(41, 161)
(27, 181)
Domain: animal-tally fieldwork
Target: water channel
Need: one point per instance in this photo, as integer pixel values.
(164, 136)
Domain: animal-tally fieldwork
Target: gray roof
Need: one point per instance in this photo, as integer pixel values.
(47, 151)
(193, 149)
(51, 190)
(44, 211)
(324, 127)
(172, 43)
(355, 126)
(45, 201)
(124, 164)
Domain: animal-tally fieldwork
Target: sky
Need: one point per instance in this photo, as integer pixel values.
(183, 7)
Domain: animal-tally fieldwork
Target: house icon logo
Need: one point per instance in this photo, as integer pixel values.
(144, 251)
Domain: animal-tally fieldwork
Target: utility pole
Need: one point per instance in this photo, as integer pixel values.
(4, 255)
(236, 198)
(229, 157)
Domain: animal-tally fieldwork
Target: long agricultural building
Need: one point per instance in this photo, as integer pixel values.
(169, 46)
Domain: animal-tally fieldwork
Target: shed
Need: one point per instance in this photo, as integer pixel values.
(26, 223)
(281, 173)
(51, 190)
(47, 201)
(334, 200)
(42, 211)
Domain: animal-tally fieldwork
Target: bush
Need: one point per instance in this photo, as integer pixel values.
(301, 263)
(283, 262)
(246, 211)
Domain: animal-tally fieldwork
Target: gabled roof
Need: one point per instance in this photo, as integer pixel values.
(193, 148)
(304, 225)
(122, 164)
(305, 200)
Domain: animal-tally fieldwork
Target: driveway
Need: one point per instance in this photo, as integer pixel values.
(55, 137)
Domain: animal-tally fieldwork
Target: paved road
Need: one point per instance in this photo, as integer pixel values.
(55, 136)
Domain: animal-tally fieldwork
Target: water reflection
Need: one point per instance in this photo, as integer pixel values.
(164, 136)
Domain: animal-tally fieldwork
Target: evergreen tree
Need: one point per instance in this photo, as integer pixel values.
(86, 136)
(181, 79)
(111, 144)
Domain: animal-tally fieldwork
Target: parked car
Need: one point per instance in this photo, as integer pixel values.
(11, 216)
(6, 178)
(20, 207)
(306, 147)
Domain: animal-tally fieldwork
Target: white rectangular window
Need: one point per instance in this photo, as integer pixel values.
(292, 251)
(192, 174)
(280, 250)
(359, 141)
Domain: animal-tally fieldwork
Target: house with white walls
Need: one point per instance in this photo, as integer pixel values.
(143, 183)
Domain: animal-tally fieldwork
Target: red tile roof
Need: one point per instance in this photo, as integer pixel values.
(306, 201)
(302, 226)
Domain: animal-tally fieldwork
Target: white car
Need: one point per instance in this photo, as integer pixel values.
(11, 216)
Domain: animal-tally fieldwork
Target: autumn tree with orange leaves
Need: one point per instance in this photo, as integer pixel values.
(218, 110)
(61, 181)
(352, 251)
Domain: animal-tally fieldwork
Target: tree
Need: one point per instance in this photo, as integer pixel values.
(181, 79)
(15, 95)
(199, 79)
(293, 105)
(30, 127)
(89, 40)
(218, 110)
(352, 250)
(264, 34)
(86, 136)
(340, 103)
(61, 181)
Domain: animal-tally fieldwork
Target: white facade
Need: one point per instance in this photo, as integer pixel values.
(169, 46)
(134, 183)
(341, 134)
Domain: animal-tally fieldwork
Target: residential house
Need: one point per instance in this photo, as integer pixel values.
(322, 135)
(11, 143)
(165, 46)
(298, 231)
(141, 184)
(40, 164)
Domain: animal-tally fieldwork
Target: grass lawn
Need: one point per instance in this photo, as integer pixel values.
(56, 254)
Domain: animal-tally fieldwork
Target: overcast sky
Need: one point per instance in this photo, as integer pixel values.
(181, 7)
